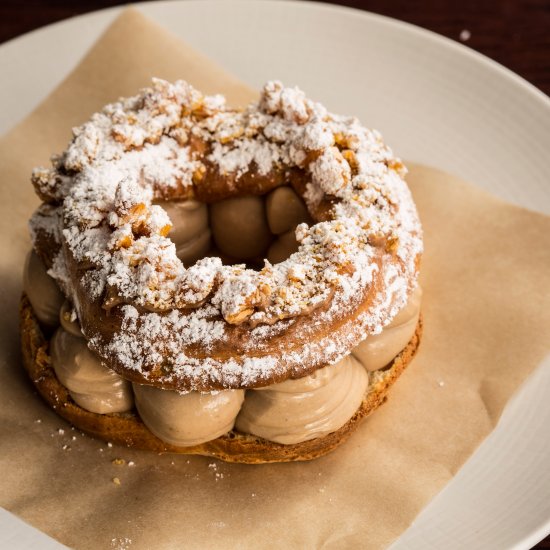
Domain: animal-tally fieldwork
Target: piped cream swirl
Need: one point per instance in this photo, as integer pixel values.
(91, 385)
(378, 350)
(187, 419)
(42, 291)
(310, 407)
(190, 232)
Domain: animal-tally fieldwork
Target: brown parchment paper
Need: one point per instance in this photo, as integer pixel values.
(487, 320)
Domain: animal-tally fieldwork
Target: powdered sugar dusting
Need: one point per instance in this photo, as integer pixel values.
(160, 143)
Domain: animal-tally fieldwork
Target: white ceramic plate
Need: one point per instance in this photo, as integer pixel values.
(438, 103)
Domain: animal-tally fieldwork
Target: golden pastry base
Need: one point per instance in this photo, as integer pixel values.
(128, 429)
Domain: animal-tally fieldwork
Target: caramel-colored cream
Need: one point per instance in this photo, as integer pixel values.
(310, 407)
(284, 245)
(42, 291)
(239, 226)
(189, 219)
(91, 385)
(187, 419)
(189, 252)
(190, 232)
(285, 210)
(378, 350)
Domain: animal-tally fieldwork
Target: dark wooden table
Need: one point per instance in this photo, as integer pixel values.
(516, 33)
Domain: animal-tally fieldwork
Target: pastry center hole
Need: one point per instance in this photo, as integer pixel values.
(239, 230)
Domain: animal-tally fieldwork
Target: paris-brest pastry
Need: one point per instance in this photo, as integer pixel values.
(238, 283)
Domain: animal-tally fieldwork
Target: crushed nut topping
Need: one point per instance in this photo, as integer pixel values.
(160, 143)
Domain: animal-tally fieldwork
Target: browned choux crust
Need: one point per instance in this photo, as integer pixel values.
(128, 429)
(158, 319)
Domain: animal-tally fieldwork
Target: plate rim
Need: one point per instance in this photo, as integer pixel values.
(462, 49)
